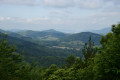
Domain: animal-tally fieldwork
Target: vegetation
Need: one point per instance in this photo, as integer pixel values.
(101, 63)
(40, 53)
(9, 61)
(83, 37)
(47, 35)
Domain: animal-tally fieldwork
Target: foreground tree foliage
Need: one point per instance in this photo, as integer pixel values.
(101, 63)
(107, 63)
(9, 60)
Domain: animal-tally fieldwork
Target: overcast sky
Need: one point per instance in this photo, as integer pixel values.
(62, 15)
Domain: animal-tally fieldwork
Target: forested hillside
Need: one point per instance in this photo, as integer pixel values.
(48, 35)
(48, 51)
(40, 53)
(83, 36)
(53, 38)
(97, 63)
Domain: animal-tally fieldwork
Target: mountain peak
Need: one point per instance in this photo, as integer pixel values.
(50, 30)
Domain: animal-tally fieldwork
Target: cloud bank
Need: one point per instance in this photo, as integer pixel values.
(89, 4)
(20, 2)
(59, 3)
(69, 15)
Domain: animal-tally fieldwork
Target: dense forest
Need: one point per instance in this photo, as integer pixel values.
(97, 63)
(49, 46)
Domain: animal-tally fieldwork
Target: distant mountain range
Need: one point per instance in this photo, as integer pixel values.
(55, 38)
(84, 37)
(43, 35)
(29, 46)
(13, 34)
(102, 31)
(38, 45)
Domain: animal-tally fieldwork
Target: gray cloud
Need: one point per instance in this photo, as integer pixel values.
(62, 3)
(90, 4)
(95, 4)
(58, 3)
(114, 1)
(52, 3)
(81, 3)
(19, 2)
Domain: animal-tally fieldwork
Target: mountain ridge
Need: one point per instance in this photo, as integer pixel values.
(102, 31)
(43, 35)
(84, 37)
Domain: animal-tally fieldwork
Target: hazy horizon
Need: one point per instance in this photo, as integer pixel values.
(69, 16)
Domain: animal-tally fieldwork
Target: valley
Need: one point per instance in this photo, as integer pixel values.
(49, 46)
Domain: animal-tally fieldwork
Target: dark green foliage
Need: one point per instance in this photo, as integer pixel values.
(36, 49)
(84, 36)
(39, 53)
(46, 61)
(9, 60)
(49, 72)
(79, 64)
(89, 51)
(70, 61)
(107, 63)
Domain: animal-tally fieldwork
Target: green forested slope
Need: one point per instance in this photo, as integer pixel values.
(43, 35)
(83, 36)
(98, 63)
(40, 53)
(47, 51)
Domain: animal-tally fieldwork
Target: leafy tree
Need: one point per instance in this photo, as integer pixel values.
(70, 60)
(79, 64)
(49, 71)
(107, 62)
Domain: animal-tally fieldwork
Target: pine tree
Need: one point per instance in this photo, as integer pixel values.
(9, 60)
(89, 51)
